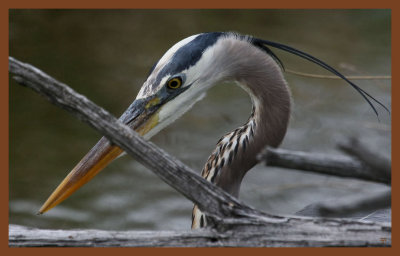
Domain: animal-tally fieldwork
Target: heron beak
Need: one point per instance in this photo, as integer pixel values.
(141, 116)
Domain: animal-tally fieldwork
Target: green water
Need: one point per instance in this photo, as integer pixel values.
(106, 56)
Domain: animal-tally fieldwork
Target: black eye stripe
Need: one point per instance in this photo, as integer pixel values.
(187, 55)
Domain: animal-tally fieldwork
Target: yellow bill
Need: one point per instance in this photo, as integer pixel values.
(142, 116)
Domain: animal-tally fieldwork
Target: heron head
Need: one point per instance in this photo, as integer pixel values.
(175, 83)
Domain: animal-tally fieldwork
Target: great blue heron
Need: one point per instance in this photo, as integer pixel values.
(181, 78)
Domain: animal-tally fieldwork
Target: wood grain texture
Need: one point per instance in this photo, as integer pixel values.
(288, 234)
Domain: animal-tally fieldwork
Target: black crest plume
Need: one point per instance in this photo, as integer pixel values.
(261, 43)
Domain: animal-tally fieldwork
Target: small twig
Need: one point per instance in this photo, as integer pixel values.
(341, 166)
(336, 77)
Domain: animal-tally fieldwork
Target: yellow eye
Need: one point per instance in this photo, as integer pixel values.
(174, 83)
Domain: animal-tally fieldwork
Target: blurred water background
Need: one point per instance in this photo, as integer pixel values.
(106, 55)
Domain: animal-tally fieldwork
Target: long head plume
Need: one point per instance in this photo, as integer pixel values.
(263, 44)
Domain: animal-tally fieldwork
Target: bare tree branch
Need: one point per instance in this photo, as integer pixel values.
(234, 223)
(376, 163)
(369, 166)
(351, 206)
(360, 203)
(341, 166)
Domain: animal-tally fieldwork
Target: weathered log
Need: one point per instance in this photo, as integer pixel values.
(342, 166)
(232, 222)
(287, 234)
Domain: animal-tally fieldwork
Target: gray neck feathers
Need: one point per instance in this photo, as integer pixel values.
(260, 76)
(236, 152)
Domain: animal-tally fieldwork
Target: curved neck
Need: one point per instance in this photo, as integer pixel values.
(259, 75)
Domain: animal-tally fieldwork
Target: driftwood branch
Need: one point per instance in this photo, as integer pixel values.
(342, 166)
(324, 233)
(377, 165)
(353, 206)
(233, 223)
(364, 165)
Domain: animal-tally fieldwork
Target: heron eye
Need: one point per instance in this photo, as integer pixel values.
(174, 83)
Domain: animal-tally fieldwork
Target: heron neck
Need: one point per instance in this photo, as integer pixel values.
(259, 75)
(236, 152)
